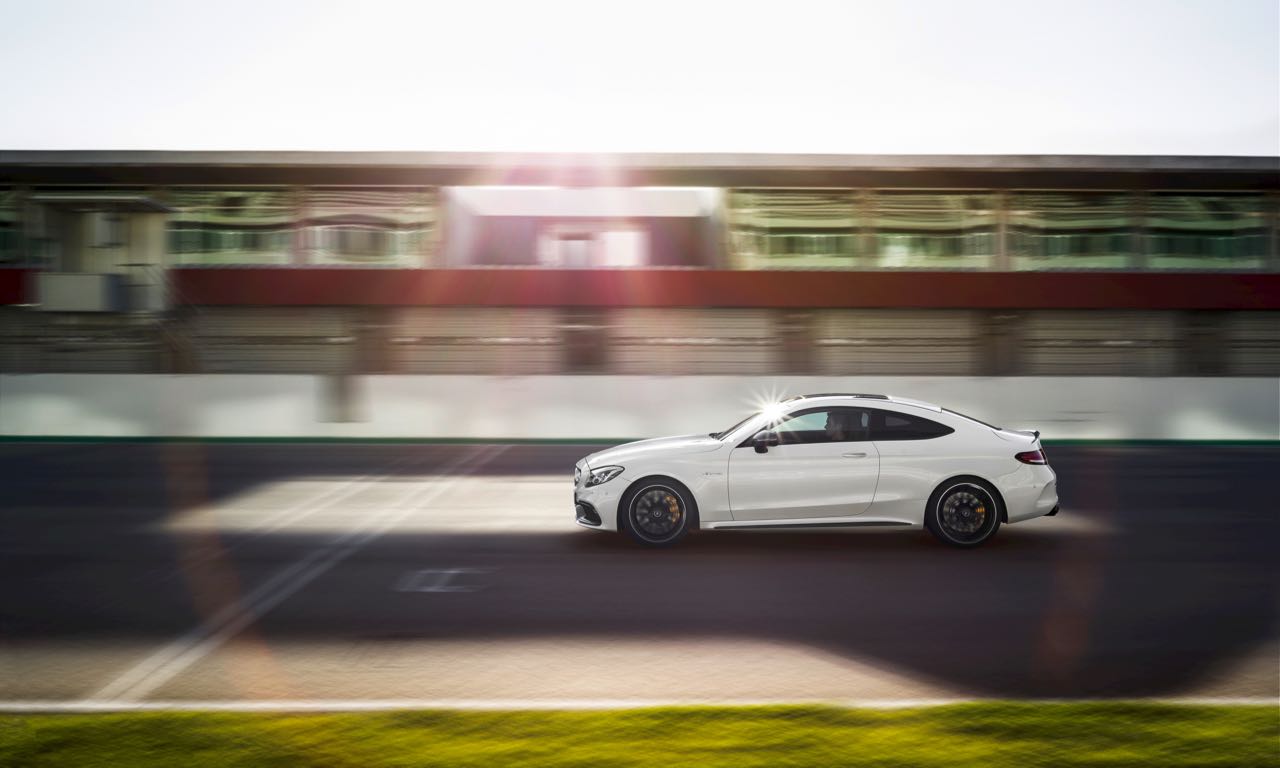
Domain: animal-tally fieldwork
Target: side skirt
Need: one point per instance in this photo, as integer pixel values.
(739, 525)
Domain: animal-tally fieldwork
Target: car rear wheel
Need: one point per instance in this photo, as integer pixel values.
(658, 511)
(963, 512)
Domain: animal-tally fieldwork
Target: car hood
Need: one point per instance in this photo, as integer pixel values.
(671, 446)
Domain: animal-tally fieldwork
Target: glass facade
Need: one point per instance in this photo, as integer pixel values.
(1065, 230)
(369, 227)
(915, 230)
(793, 229)
(861, 229)
(224, 226)
(1213, 232)
(844, 229)
(10, 233)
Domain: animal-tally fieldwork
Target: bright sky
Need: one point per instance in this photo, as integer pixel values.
(912, 76)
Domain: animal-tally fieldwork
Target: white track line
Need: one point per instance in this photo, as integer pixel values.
(169, 661)
(330, 497)
(383, 705)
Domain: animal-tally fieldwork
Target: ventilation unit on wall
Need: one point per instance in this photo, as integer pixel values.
(81, 292)
(106, 229)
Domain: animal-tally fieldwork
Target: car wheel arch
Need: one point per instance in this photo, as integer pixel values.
(985, 483)
(624, 501)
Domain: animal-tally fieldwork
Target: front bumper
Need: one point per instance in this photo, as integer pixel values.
(585, 514)
(597, 507)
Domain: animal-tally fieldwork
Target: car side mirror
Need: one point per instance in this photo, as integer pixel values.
(763, 439)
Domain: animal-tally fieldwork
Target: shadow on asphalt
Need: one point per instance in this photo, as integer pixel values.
(1181, 580)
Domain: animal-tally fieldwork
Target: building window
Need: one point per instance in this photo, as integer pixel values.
(915, 230)
(792, 229)
(1062, 230)
(370, 227)
(215, 227)
(1206, 231)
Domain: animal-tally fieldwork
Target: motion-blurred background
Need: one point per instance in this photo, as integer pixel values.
(456, 295)
(307, 312)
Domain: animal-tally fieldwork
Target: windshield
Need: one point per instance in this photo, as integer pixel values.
(729, 431)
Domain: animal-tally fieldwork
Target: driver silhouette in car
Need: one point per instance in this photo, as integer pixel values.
(841, 426)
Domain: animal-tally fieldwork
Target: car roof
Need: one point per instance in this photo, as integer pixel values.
(863, 396)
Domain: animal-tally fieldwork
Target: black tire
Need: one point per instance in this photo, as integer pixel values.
(964, 512)
(657, 511)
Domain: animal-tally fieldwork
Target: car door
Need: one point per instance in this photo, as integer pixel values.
(813, 472)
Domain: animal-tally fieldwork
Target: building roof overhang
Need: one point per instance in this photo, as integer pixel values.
(92, 167)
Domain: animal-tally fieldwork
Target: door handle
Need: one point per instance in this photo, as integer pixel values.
(854, 455)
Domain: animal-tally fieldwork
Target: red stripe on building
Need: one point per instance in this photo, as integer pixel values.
(713, 288)
(13, 286)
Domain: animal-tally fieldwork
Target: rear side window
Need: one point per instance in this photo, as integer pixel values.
(891, 425)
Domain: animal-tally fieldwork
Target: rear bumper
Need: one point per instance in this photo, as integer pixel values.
(1030, 492)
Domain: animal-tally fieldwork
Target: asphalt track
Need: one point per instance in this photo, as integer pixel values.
(135, 573)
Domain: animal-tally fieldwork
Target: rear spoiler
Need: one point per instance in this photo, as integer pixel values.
(1035, 433)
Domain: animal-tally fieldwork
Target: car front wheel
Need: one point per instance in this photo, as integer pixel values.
(659, 512)
(963, 513)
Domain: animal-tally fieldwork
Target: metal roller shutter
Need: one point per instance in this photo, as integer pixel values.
(476, 340)
(1099, 343)
(648, 341)
(317, 340)
(1253, 344)
(896, 342)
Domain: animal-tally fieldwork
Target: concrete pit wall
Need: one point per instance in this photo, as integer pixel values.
(601, 407)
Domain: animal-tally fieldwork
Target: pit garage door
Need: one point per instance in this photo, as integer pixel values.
(897, 342)
(646, 341)
(1099, 343)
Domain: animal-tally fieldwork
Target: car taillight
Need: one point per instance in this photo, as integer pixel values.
(1031, 457)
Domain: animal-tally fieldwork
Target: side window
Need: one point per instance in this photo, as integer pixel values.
(824, 425)
(891, 425)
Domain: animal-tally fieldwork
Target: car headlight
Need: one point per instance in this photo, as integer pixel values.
(603, 475)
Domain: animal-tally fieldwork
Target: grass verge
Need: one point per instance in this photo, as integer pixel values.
(985, 734)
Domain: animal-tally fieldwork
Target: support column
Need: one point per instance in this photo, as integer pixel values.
(1272, 213)
(584, 337)
(298, 256)
(1202, 344)
(794, 330)
(1000, 343)
(1003, 261)
(864, 213)
(372, 333)
(1138, 204)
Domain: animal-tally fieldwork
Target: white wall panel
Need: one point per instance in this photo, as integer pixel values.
(615, 407)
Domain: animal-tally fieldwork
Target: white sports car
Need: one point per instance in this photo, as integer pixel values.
(823, 461)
